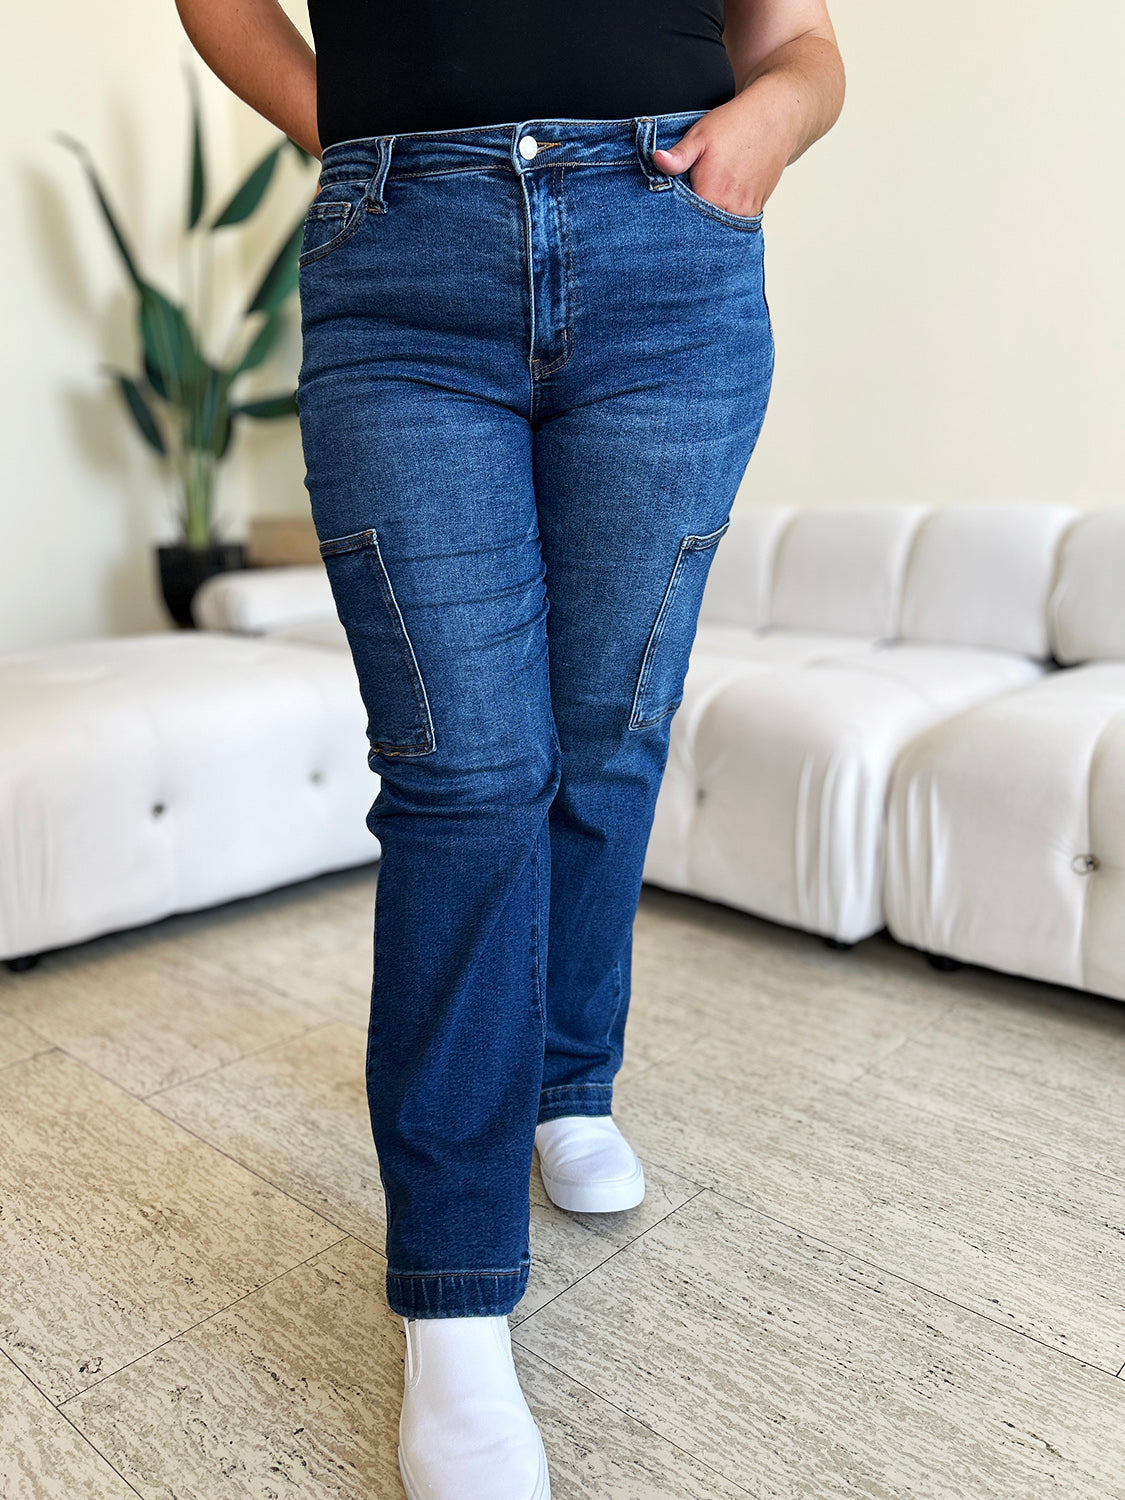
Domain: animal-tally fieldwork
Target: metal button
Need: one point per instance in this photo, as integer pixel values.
(528, 146)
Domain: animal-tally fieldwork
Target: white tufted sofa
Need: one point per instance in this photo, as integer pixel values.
(875, 730)
(151, 774)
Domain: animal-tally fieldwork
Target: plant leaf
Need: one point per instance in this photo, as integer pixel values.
(170, 349)
(269, 408)
(247, 197)
(155, 378)
(260, 345)
(281, 278)
(95, 181)
(221, 450)
(198, 173)
(137, 404)
(208, 417)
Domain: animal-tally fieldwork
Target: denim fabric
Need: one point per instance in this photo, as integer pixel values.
(530, 385)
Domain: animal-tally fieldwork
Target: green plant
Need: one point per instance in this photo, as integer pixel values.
(183, 403)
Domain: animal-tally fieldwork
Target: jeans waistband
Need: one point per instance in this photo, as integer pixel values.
(557, 142)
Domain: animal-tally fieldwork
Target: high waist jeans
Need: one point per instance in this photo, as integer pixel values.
(534, 369)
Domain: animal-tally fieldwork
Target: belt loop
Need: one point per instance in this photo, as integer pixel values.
(646, 144)
(373, 193)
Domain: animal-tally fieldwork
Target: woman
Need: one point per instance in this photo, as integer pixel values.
(536, 359)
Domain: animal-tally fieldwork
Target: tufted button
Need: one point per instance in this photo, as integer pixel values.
(158, 809)
(1084, 864)
(316, 777)
(528, 147)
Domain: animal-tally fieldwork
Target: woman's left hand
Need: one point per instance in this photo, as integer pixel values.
(735, 153)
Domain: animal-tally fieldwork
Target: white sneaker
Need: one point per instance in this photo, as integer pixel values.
(588, 1166)
(466, 1432)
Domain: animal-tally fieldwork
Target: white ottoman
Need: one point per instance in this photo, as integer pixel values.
(145, 775)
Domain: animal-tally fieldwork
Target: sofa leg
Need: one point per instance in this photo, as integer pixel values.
(838, 944)
(944, 963)
(21, 965)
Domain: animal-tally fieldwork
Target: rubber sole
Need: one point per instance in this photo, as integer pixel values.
(596, 1197)
(542, 1490)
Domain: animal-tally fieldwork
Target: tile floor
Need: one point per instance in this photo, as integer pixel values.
(882, 1252)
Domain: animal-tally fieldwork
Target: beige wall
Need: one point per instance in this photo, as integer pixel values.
(83, 501)
(941, 270)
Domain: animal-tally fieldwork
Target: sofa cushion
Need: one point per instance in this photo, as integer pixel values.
(316, 631)
(839, 569)
(666, 858)
(741, 574)
(980, 575)
(946, 678)
(792, 762)
(777, 647)
(1086, 611)
(719, 655)
(1006, 833)
(252, 601)
(144, 775)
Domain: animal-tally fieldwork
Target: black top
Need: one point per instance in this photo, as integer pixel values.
(395, 66)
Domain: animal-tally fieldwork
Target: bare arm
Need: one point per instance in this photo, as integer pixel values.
(259, 54)
(790, 81)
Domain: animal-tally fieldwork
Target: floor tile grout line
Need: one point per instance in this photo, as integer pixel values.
(986, 1131)
(191, 1328)
(813, 1075)
(234, 1061)
(82, 1436)
(82, 1062)
(670, 1056)
(226, 1155)
(15, 1062)
(591, 1269)
(253, 1171)
(854, 1255)
(251, 981)
(6, 1015)
(628, 1415)
(907, 1041)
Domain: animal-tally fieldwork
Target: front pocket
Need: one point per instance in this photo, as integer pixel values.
(390, 680)
(660, 681)
(333, 216)
(702, 205)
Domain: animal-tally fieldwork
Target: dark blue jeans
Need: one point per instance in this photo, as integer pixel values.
(534, 369)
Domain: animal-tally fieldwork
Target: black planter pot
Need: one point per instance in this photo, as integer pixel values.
(183, 569)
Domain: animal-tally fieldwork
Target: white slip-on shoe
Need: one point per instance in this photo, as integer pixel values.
(466, 1432)
(588, 1166)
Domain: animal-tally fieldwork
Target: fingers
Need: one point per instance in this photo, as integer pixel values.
(677, 158)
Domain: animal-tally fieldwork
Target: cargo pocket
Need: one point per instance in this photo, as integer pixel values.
(390, 681)
(660, 681)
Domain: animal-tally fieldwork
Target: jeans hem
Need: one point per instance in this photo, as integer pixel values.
(456, 1294)
(575, 1099)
